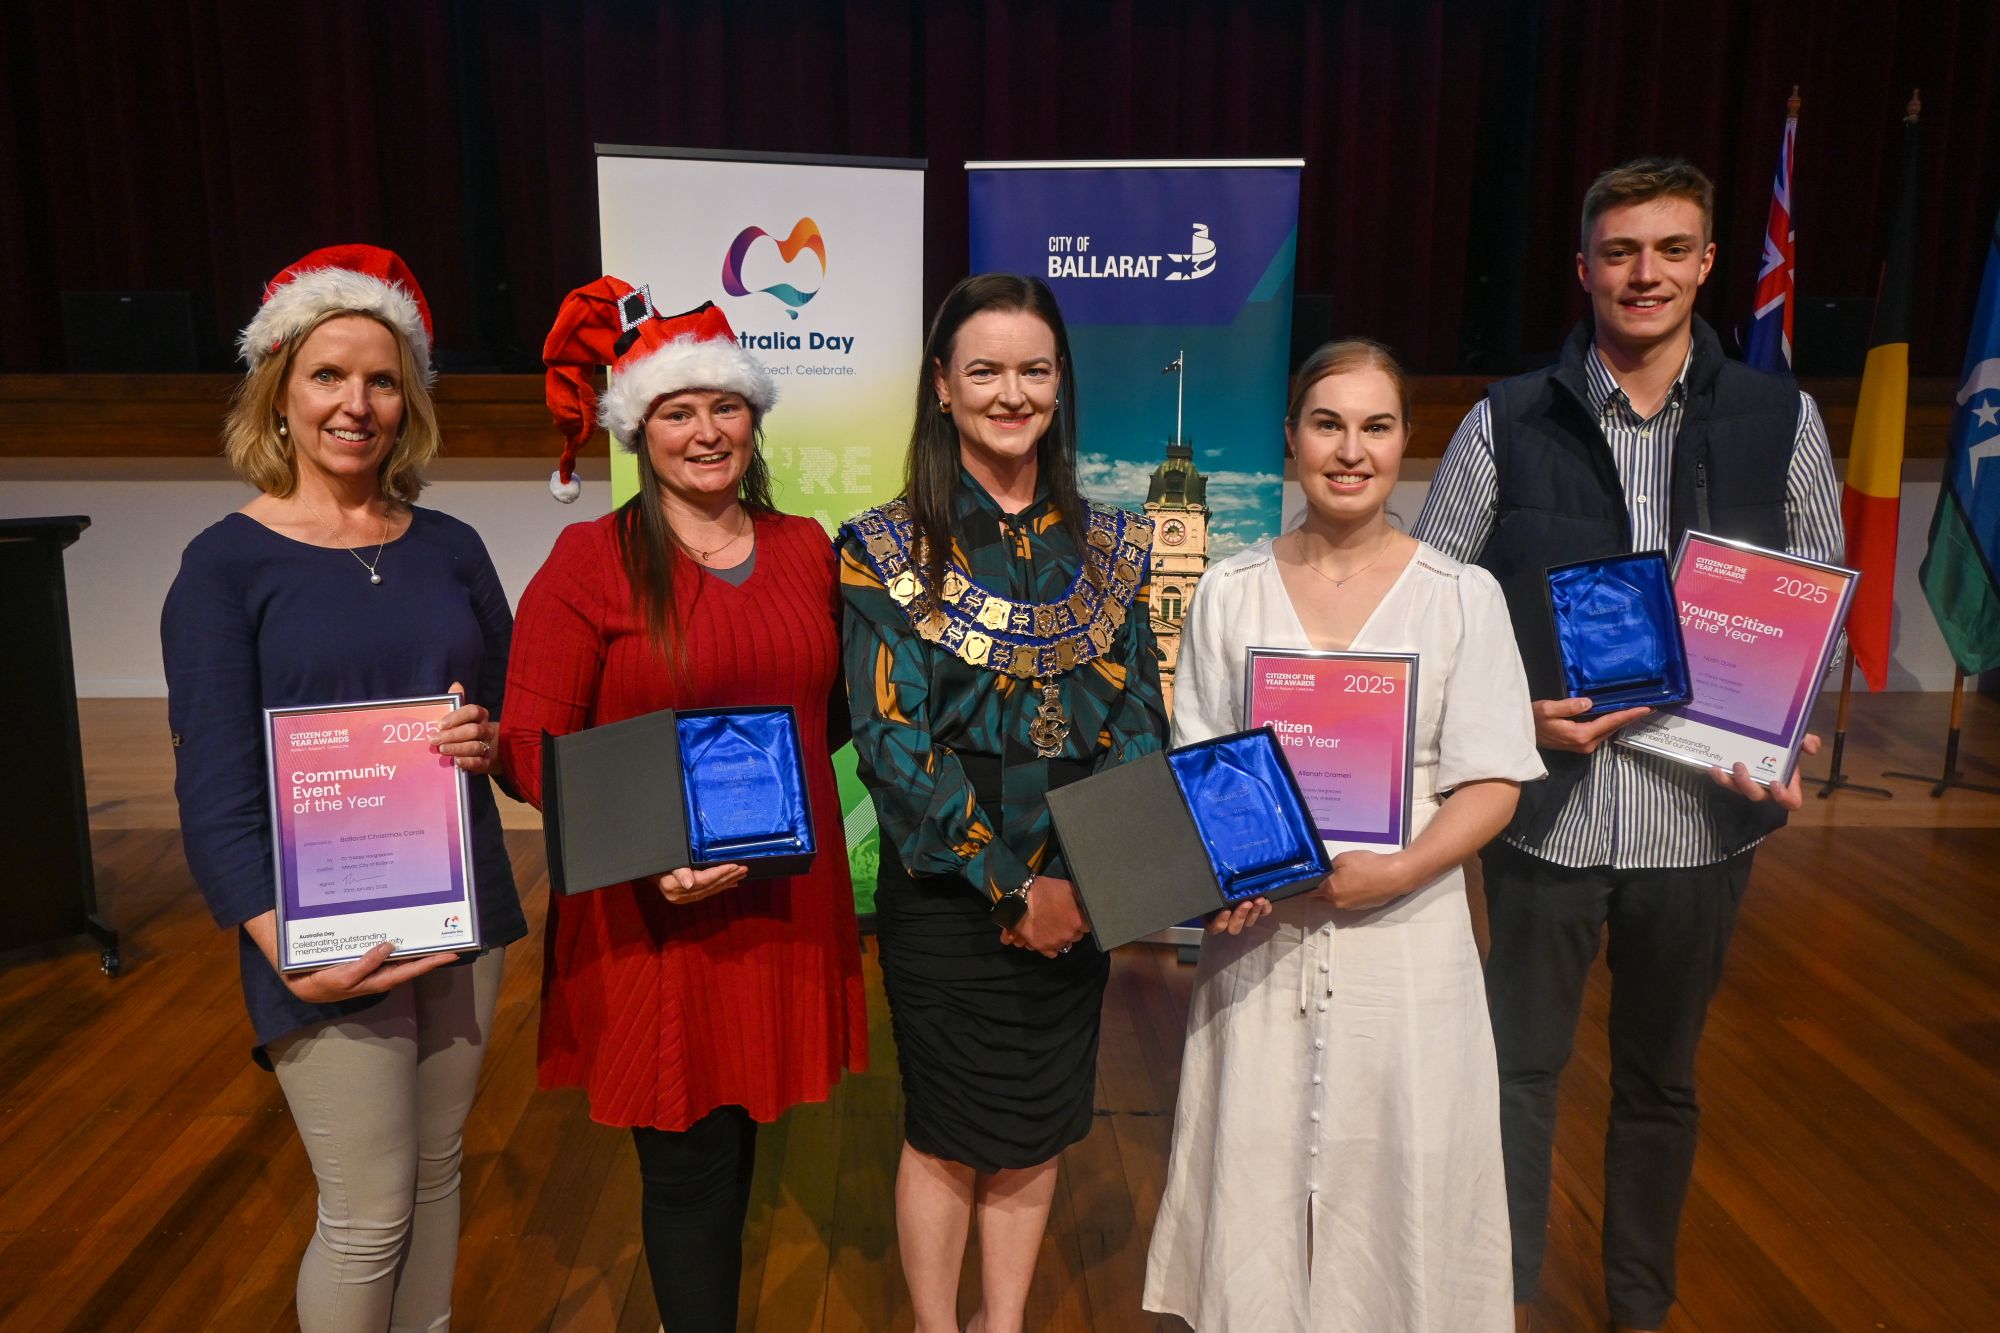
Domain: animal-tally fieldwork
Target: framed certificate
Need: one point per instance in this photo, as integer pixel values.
(1760, 628)
(371, 839)
(1348, 725)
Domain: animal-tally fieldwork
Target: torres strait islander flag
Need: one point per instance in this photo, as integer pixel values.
(1870, 501)
(1959, 573)
(1769, 346)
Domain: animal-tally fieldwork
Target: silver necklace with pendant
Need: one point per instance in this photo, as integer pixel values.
(374, 576)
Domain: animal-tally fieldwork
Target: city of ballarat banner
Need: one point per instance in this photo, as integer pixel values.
(1177, 267)
(818, 264)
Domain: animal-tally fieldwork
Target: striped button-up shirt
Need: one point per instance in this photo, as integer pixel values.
(1633, 810)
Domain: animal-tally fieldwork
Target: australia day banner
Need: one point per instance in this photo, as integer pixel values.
(1176, 267)
(818, 264)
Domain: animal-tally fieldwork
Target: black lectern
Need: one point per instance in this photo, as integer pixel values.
(47, 888)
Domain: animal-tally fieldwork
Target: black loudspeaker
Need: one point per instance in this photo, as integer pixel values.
(1832, 335)
(132, 331)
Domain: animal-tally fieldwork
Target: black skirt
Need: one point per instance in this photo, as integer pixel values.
(997, 1045)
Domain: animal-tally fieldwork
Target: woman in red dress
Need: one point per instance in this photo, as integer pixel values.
(693, 1006)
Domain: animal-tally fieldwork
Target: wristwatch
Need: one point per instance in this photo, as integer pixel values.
(1011, 907)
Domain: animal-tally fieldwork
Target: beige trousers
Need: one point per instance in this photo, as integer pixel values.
(380, 1100)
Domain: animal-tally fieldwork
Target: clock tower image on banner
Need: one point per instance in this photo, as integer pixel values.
(1177, 502)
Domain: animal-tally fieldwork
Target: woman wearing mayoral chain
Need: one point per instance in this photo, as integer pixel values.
(997, 646)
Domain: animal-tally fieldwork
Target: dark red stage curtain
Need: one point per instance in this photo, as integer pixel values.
(203, 144)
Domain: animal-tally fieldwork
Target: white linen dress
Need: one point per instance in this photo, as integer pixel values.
(1339, 1097)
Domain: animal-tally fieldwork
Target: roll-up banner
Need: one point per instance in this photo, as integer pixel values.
(818, 263)
(1175, 279)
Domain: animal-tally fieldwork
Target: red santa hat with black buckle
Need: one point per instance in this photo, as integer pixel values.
(612, 323)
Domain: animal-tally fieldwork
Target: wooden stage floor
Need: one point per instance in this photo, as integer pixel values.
(1849, 1175)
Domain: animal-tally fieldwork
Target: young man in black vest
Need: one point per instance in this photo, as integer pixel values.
(1641, 431)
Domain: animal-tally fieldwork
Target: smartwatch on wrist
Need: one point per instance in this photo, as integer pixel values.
(1011, 907)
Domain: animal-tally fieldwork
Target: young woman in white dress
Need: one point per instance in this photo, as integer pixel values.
(1336, 1156)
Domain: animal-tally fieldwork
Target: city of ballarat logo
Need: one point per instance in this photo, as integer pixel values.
(1198, 262)
(1072, 257)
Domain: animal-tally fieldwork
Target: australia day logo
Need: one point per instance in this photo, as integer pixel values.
(805, 236)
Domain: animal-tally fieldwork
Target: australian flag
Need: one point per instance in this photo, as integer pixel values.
(1769, 344)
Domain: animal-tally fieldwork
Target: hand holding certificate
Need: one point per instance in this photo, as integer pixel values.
(370, 835)
(1760, 627)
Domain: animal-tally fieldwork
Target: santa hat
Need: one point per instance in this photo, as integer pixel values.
(351, 279)
(612, 323)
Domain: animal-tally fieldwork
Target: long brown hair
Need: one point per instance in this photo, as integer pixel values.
(651, 551)
(930, 473)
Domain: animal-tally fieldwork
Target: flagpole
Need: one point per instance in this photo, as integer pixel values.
(1836, 777)
(1952, 776)
(1180, 390)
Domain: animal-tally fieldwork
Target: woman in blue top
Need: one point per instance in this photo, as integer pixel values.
(332, 587)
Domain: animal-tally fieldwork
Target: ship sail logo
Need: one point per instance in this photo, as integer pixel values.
(1198, 262)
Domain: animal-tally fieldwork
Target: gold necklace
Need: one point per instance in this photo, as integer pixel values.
(705, 556)
(1342, 583)
(333, 532)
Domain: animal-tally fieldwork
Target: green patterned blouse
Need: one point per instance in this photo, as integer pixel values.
(946, 691)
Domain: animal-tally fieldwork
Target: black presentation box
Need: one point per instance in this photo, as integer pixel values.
(1618, 632)
(698, 787)
(1151, 843)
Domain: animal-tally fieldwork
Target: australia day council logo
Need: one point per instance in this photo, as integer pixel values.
(805, 236)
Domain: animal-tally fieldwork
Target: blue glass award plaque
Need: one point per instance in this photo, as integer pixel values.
(633, 799)
(1618, 634)
(744, 785)
(1250, 814)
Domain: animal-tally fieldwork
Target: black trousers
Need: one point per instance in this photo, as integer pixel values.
(695, 1191)
(1668, 932)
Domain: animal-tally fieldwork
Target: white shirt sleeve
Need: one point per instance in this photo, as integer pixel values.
(1487, 729)
(1208, 680)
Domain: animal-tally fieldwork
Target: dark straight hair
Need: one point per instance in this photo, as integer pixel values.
(650, 549)
(930, 474)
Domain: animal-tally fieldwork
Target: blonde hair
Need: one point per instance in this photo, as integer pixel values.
(266, 460)
(1343, 357)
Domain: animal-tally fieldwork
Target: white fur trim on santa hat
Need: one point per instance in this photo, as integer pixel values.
(565, 491)
(684, 363)
(318, 291)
